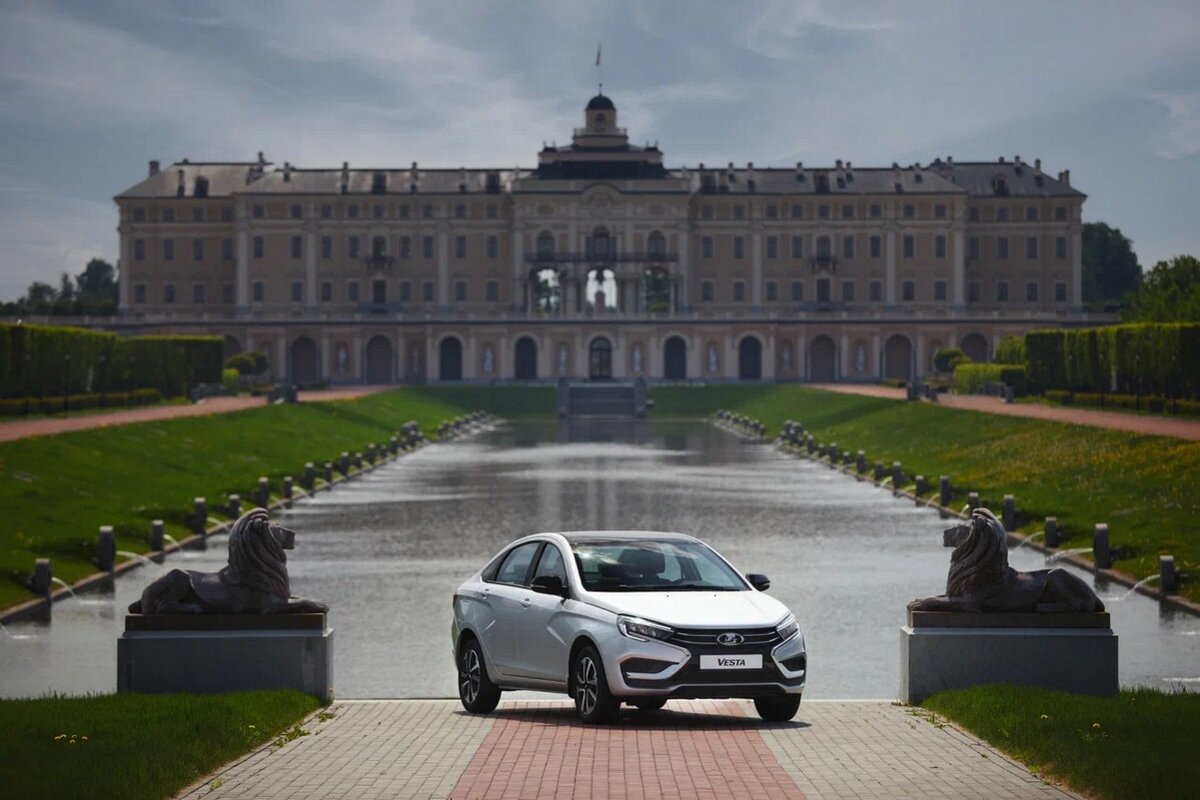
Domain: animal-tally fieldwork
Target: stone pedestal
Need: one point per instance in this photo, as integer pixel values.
(947, 650)
(212, 653)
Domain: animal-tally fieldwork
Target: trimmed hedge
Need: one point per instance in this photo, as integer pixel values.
(1011, 350)
(1141, 358)
(1190, 408)
(18, 406)
(970, 378)
(49, 361)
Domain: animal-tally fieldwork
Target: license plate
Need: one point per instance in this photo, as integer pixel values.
(749, 661)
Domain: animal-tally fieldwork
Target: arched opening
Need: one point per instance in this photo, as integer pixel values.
(822, 360)
(750, 359)
(656, 245)
(545, 245)
(526, 359)
(601, 291)
(600, 359)
(600, 245)
(897, 358)
(450, 359)
(380, 361)
(304, 362)
(975, 347)
(545, 290)
(675, 359)
(656, 283)
(232, 346)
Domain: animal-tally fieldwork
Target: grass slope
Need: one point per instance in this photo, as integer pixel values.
(137, 746)
(1141, 743)
(55, 491)
(1144, 487)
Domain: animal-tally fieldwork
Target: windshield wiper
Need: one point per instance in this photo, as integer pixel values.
(688, 587)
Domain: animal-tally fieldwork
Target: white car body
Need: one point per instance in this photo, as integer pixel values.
(528, 637)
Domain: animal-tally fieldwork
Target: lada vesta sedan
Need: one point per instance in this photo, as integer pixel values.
(611, 617)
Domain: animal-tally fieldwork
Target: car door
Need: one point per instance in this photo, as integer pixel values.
(506, 592)
(540, 645)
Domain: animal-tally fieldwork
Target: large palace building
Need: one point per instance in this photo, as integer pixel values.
(601, 262)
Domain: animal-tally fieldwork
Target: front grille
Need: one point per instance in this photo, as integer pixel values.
(697, 639)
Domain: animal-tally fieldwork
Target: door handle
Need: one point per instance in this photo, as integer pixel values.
(527, 602)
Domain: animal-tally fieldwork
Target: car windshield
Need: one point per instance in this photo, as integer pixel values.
(647, 565)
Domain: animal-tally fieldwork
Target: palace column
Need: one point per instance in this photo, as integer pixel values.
(125, 279)
(685, 269)
(960, 266)
(243, 260)
(756, 282)
(443, 266)
(310, 263)
(889, 246)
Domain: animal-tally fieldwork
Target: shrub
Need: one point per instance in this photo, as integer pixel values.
(970, 378)
(230, 378)
(945, 359)
(249, 363)
(1011, 350)
(1059, 396)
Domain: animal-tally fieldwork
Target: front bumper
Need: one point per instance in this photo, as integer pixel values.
(662, 669)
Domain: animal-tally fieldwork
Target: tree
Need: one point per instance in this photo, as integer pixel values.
(1170, 293)
(97, 287)
(1110, 267)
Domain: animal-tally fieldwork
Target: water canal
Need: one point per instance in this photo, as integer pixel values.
(388, 549)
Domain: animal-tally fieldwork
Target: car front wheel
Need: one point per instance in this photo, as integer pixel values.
(777, 709)
(475, 689)
(593, 700)
(649, 704)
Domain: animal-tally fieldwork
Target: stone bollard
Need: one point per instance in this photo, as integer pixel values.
(846, 457)
(40, 583)
(1008, 513)
(1166, 575)
(287, 490)
(394, 445)
(810, 443)
(262, 496)
(921, 487)
(156, 535)
(945, 494)
(344, 463)
(233, 508)
(972, 501)
(861, 462)
(897, 475)
(199, 516)
(358, 461)
(832, 451)
(106, 549)
(371, 452)
(310, 477)
(1050, 532)
(329, 472)
(1100, 552)
(878, 471)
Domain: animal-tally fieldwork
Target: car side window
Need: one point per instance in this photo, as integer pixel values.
(551, 563)
(515, 568)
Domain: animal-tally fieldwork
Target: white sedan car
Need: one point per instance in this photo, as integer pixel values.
(609, 617)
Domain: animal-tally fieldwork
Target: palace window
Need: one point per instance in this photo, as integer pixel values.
(847, 291)
(227, 293)
(377, 211)
(352, 211)
(847, 247)
(139, 249)
(258, 291)
(492, 291)
(739, 247)
(427, 291)
(939, 246)
(227, 249)
(772, 291)
(297, 211)
(493, 211)
(460, 291)
(847, 212)
(460, 247)
(823, 290)
(227, 215)
(297, 247)
(876, 246)
(379, 246)
(168, 249)
(1060, 213)
(326, 291)
(772, 212)
(404, 210)
(460, 210)
(706, 291)
(1060, 247)
(139, 293)
(739, 291)
(797, 246)
(493, 247)
(772, 247)
(297, 292)
(739, 212)
(910, 246)
(197, 249)
(1002, 292)
(1002, 214)
(405, 291)
(973, 247)
(352, 291)
(139, 215)
(939, 211)
(405, 247)
(939, 290)
(876, 291)
(326, 247)
(824, 249)
(258, 212)
(427, 246)
(823, 211)
(908, 291)
(910, 211)
(706, 247)
(326, 211)
(797, 212)
(168, 215)
(258, 246)
(1031, 292)
(706, 212)
(1002, 247)
(797, 291)
(198, 294)
(973, 292)
(197, 215)
(1031, 247)
(973, 214)
(353, 245)
(876, 211)
(169, 293)
(427, 210)
(1060, 292)
(1031, 214)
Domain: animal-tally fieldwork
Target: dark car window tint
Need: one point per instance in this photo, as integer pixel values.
(516, 566)
(551, 563)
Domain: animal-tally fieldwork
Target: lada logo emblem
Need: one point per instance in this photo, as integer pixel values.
(730, 639)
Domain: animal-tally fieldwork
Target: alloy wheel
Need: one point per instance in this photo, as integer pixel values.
(469, 677)
(586, 685)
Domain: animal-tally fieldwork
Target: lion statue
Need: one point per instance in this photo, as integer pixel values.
(255, 582)
(980, 578)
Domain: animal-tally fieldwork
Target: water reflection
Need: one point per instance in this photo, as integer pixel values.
(387, 550)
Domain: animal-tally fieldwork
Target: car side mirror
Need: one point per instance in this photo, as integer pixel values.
(549, 584)
(760, 582)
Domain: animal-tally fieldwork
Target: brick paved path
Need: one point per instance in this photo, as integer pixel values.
(704, 749)
(47, 426)
(1117, 421)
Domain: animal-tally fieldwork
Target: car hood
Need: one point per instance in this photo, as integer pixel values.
(692, 609)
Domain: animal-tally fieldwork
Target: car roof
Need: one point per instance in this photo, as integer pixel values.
(608, 536)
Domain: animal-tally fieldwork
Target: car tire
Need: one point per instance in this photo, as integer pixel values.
(780, 708)
(475, 689)
(593, 700)
(649, 704)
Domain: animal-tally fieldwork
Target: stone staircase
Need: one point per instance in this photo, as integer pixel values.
(620, 400)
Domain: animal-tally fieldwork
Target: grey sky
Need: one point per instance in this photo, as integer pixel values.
(90, 91)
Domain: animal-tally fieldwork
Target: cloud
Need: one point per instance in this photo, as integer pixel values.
(1182, 135)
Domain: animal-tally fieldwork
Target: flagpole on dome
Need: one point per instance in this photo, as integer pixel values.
(599, 71)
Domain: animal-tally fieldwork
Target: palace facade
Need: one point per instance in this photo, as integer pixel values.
(601, 262)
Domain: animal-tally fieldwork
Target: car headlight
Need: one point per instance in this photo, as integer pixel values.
(637, 628)
(788, 628)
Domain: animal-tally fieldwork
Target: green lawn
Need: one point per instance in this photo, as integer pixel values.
(135, 746)
(56, 491)
(1144, 487)
(1141, 743)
